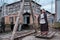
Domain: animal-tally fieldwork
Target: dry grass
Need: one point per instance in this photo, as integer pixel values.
(56, 25)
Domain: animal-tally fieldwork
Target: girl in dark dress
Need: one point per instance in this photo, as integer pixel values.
(43, 23)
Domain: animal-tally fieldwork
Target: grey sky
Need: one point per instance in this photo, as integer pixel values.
(47, 5)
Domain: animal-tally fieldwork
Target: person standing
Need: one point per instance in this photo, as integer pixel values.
(43, 23)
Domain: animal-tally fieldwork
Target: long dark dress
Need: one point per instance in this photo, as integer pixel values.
(44, 27)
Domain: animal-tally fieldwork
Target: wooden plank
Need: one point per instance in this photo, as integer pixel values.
(17, 35)
(25, 34)
(32, 13)
(48, 36)
(17, 21)
(51, 35)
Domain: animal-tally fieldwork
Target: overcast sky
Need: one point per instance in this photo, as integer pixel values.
(46, 4)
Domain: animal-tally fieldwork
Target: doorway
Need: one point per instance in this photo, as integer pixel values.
(26, 18)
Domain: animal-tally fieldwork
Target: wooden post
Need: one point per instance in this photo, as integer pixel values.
(16, 24)
(32, 13)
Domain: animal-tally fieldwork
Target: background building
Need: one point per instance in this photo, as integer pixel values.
(57, 9)
(11, 11)
(0, 16)
(51, 18)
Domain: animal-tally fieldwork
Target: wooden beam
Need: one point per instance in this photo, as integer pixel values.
(16, 24)
(32, 12)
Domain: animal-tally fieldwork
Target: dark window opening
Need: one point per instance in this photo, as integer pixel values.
(11, 19)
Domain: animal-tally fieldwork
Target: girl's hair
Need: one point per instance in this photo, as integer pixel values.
(44, 10)
(40, 11)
